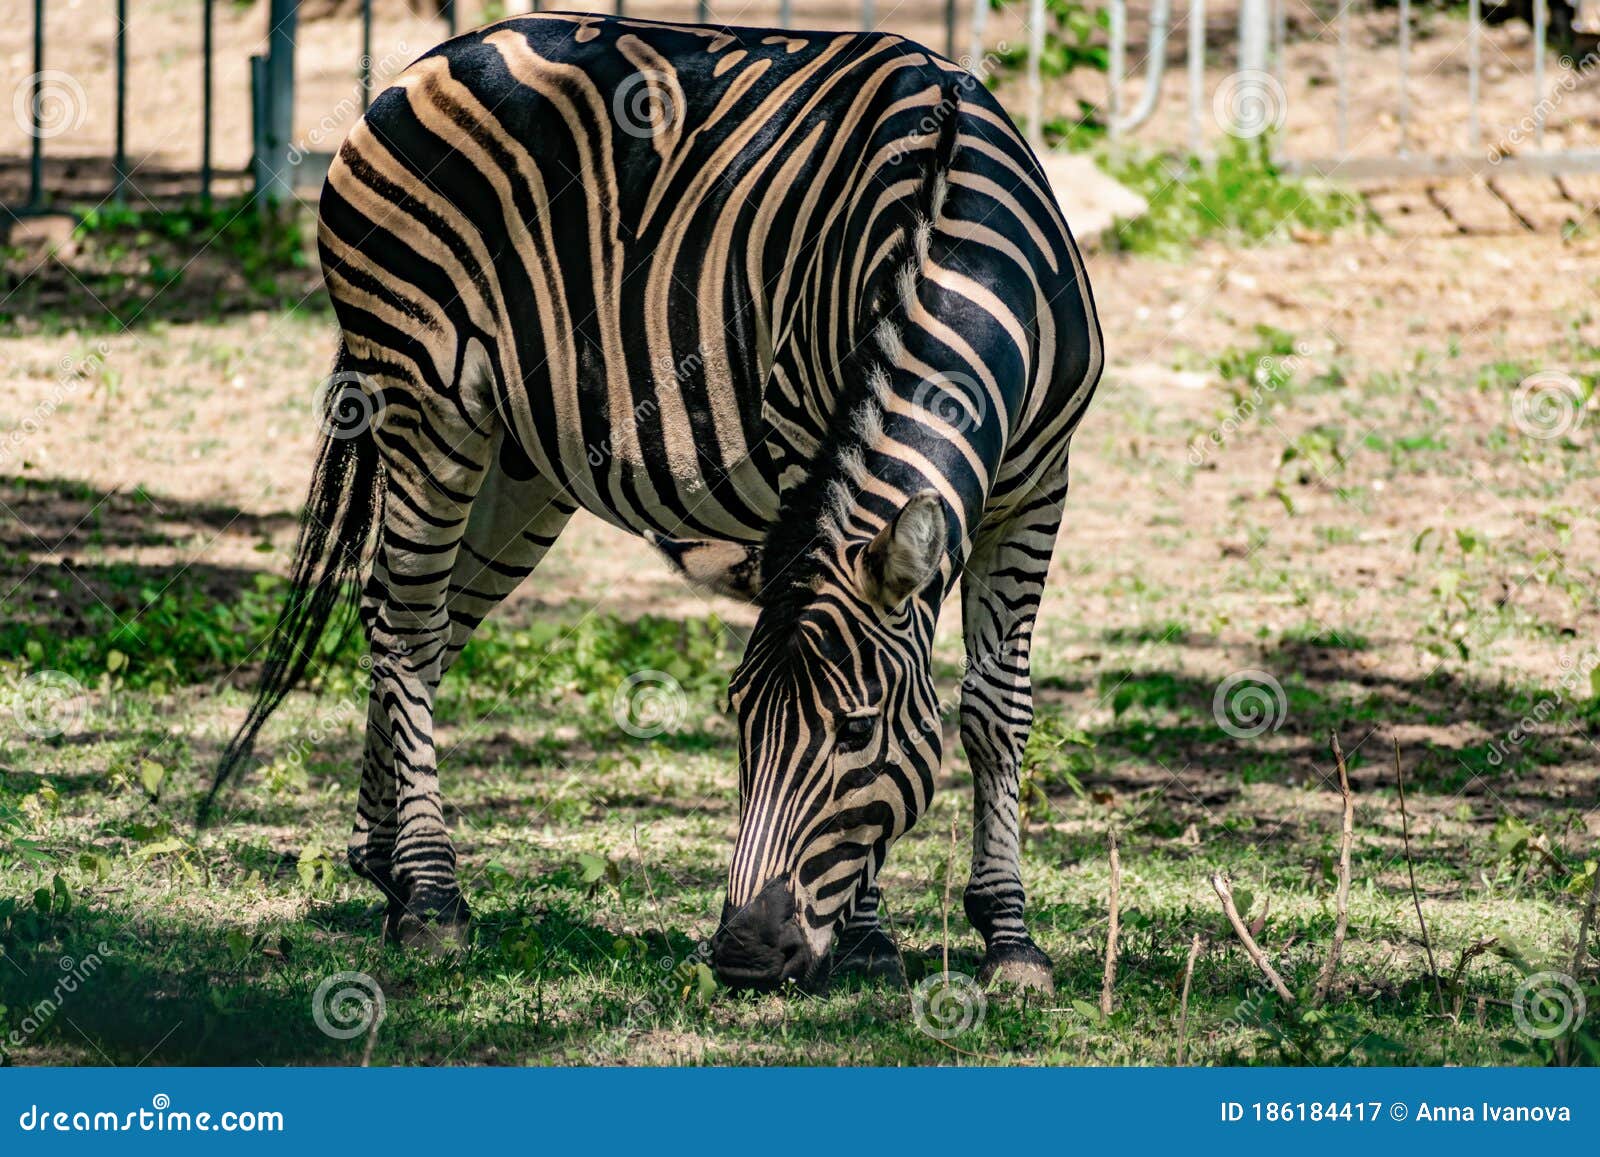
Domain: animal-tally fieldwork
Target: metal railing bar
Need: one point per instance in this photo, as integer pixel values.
(1541, 25)
(980, 21)
(1474, 72)
(120, 161)
(1197, 71)
(1116, 64)
(1155, 63)
(1344, 77)
(1405, 77)
(366, 55)
(36, 146)
(1035, 80)
(207, 45)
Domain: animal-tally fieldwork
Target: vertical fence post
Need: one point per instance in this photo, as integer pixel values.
(703, 11)
(1035, 83)
(36, 145)
(1255, 19)
(366, 55)
(1405, 77)
(1197, 72)
(785, 13)
(1541, 25)
(207, 44)
(869, 15)
(272, 93)
(447, 9)
(1344, 78)
(950, 29)
(980, 20)
(1474, 67)
(1115, 63)
(119, 163)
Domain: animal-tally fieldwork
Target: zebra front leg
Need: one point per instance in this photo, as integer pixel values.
(1000, 593)
(862, 947)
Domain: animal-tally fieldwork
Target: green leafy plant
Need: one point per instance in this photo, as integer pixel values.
(1240, 196)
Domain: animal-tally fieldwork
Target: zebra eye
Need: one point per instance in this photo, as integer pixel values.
(854, 733)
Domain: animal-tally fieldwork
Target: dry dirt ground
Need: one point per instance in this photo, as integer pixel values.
(1343, 484)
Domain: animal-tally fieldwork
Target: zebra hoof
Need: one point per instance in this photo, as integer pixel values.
(438, 929)
(1017, 966)
(870, 954)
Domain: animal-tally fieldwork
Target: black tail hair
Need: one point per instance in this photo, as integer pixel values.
(335, 529)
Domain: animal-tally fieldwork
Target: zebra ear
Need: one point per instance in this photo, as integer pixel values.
(904, 555)
(726, 568)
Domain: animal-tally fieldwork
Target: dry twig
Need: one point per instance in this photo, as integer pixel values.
(1110, 980)
(1581, 952)
(1183, 1001)
(1411, 869)
(1225, 894)
(1342, 899)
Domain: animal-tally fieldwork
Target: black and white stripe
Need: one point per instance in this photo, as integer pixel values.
(798, 307)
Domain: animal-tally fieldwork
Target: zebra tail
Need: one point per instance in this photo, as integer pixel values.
(335, 531)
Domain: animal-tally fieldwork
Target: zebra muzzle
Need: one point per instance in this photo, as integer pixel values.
(761, 945)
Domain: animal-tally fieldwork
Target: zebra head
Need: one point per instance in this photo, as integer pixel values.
(839, 741)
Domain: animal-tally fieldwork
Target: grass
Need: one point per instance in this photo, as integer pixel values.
(1369, 543)
(1238, 196)
(594, 862)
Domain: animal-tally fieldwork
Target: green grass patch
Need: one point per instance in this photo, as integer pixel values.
(1239, 196)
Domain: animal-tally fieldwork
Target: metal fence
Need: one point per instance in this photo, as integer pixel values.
(1256, 93)
(1254, 35)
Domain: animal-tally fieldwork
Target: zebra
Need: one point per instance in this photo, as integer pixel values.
(799, 308)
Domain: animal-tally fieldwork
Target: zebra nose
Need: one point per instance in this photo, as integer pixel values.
(760, 946)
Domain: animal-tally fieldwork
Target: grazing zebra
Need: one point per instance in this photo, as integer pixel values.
(799, 308)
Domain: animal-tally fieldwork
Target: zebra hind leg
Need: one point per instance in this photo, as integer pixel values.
(514, 521)
(401, 840)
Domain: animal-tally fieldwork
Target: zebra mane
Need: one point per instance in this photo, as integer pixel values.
(816, 515)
